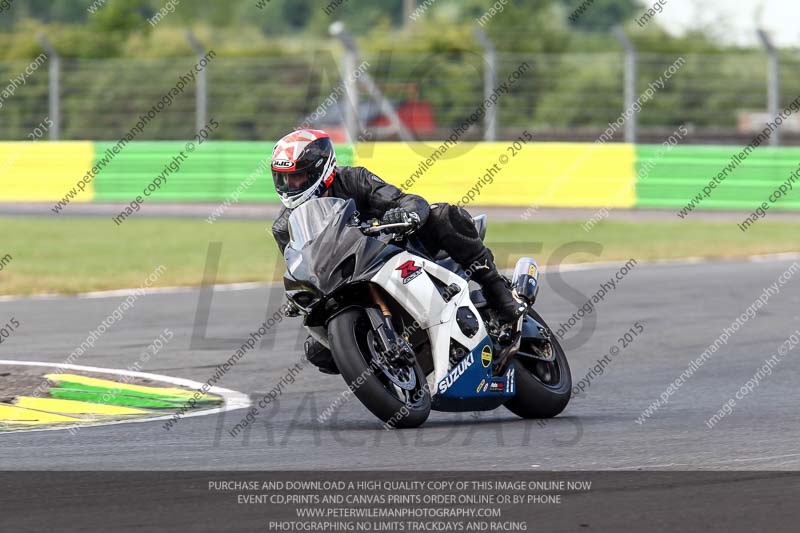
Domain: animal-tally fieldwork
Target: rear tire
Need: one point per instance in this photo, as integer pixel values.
(543, 389)
(347, 334)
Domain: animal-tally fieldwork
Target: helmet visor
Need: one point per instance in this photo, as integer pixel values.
(293, 183)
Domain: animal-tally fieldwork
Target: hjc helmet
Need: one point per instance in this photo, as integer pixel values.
(303, 166)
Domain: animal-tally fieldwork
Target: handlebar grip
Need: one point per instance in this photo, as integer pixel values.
(371, 230)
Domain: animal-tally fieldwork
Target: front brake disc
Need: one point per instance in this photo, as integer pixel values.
(403, 377)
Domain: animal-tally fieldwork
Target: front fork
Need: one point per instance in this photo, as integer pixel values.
(393, 346)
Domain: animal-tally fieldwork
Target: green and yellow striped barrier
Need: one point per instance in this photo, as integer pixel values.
(543, 174)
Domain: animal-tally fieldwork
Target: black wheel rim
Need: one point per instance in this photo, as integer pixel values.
(413, 397)
(548, 373)
(401, 376)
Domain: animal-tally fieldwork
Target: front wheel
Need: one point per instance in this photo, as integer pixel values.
(543, 387)
(397, 395)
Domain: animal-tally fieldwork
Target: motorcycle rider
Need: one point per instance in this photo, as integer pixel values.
(304, 167)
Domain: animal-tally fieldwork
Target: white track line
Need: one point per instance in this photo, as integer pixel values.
(572, 267)
(233, 400)
(117, 293)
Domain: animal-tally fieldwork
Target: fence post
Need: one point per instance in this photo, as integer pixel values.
(773, 84)
(408, 8)
(489, 84)
(630, 83)
(201, 94)
(337, 29)
(351, 119)
(350, 110)
(54, 87)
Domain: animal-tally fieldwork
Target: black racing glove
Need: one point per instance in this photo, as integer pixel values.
(399, 215)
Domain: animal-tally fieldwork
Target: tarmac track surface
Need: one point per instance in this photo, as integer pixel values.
(683, 308)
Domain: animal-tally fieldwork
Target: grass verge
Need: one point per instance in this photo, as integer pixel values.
(71, 255)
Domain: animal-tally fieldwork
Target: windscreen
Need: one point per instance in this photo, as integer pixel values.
(310, 219)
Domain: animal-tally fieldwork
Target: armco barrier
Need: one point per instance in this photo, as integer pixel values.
(542, 174)
(671, 179)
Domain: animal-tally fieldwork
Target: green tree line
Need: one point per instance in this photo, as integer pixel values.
(268, 72)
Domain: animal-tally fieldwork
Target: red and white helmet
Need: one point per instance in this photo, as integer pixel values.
(303, 166)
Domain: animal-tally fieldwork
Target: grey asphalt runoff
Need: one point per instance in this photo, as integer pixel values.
(683, 308)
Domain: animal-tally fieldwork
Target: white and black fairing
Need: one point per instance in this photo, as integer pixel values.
(327, 251)
(331, 264)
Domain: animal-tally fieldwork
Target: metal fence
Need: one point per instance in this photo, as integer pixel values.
(718, 97)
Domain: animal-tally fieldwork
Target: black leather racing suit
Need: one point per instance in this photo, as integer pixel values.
(442, 227)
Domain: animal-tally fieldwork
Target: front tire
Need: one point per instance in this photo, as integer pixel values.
(543, 388)
(398, 408)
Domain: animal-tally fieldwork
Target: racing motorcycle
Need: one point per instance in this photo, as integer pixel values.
(405, 330)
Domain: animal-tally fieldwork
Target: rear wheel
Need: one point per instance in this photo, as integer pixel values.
(396, 394)
(543, 387)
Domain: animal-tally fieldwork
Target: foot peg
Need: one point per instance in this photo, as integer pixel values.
(506, 354)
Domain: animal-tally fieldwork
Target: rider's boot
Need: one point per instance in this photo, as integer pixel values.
(319, 356)
(499, 298)
(497, 292)
(509, 313)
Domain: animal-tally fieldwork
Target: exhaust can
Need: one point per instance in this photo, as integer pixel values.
(525, 283)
